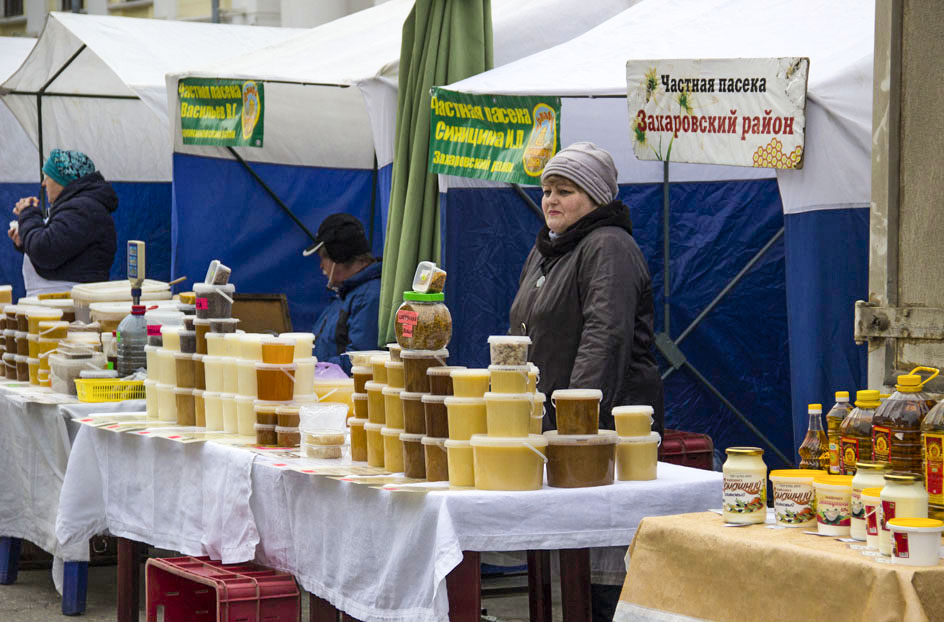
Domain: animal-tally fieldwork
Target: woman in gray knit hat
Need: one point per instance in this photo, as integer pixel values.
(585, 295)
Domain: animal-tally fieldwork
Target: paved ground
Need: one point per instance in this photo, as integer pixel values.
(33, 598)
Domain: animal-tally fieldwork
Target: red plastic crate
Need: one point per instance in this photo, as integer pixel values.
(687, 449)
(198, 589)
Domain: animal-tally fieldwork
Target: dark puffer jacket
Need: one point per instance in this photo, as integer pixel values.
(585, 299)
(349, 322)
(78, 242)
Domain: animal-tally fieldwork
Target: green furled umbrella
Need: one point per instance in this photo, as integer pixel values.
(443, 41)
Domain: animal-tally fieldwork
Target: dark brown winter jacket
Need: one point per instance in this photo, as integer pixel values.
(585, 299)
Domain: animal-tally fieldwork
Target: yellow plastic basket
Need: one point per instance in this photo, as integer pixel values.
(108, 389)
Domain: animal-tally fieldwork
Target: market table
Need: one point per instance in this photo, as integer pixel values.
(692, 567)
(35, 441)
(374, 554)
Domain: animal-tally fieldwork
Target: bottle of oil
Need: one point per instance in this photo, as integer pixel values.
(855, 433)
(814, 451)
(896, 425)
(932, 453)
(834, 418)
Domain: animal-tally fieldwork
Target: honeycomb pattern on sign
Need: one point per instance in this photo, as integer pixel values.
(771, 155)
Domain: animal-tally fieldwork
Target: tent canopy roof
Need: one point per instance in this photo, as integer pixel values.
(18, 158)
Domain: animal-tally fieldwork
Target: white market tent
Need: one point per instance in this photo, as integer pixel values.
(824, 204)
(329, 118)
(103, 84)
(18, 159)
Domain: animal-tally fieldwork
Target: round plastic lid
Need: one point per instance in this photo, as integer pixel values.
(421, 297)
(469, 373)
(228, 396)
(260, 427)
(21, 334)
(288, 409)
(268, 406)
(867, 395)
(246, 398)
(844, 481)
(391, 432)
(371, 385)
(874, 493)
(444, 370)
(362, 369)
(433, 399)
(407, 437)
(279, 428)
(509, 397)
(182, 355)
(652, 437)
(483, 440)
(424, 354)
(509, 339)
(353, 421)
(902, 478)
(814, 408)
(183, 391)
(286, 366)
(211, 395)
(431, 440)
(603, 437)
(32, 337)
(872, 466)
(916, 524)
(457, 444)
(359, 396)
(306, 398)
(373, 426)
(32, 361)
(377, 359)
(453, 400)
(283, 341)
(149, 382)
(577, 394)
(796, 473)
(393, 364)
(909, 380)
(640, 409)
(744, 451)
(392, 391)
(197, 392)
(206, 288)
(406, 395)
(524, 369)
(842, 396)
(206, 322)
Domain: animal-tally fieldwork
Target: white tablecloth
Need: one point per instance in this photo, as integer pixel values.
(384, 556)
(192, 498)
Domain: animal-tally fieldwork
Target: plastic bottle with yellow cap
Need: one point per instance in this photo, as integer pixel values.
(932, 454)
(834, 419)
(896, 425)
(814, 451)
(855, 433)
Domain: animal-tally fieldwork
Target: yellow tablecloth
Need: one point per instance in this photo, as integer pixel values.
(692, 565)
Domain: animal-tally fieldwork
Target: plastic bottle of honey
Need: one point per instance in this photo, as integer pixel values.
(896, 425)
(814, 451)
(932, 452)
(855, 433)
(834, 419)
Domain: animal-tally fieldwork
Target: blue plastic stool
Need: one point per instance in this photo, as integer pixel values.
(9, 559)
(74, 588)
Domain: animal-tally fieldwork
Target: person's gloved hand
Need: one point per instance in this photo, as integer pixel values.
(23, 203)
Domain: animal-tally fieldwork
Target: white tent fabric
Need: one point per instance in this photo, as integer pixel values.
(19, 161)
(129, 139)
(362, 50)
(836, 170)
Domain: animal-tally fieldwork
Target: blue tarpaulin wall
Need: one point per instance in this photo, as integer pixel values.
(716, 228)
(143, 214)
(221, 212)
(828, 254)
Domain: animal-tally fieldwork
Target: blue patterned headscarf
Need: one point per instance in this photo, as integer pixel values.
(66, 166)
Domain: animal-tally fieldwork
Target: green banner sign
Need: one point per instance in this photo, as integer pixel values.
(221, 112)
(498, 137)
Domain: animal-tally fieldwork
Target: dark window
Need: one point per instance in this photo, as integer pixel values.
(12, 8)
(67, 5)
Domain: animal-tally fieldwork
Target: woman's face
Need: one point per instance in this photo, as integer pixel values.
(563, 203)
(53, 189)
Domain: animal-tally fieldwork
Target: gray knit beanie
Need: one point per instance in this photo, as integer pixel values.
(589, 167)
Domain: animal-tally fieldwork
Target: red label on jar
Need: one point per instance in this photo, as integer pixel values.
(407, 320)
(849, 454)
(934, 465)
(203, 304)
(881, 443)
(154, 330)
(871, 521)
(888, 512)
(900, 545)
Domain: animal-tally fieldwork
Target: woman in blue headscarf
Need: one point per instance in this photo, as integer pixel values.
(76, 243)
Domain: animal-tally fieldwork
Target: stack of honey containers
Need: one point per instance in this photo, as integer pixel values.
(284, 382)
(39, 341)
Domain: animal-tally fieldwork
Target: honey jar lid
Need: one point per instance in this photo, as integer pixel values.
(374, 426)
(902, 478)
(372, 385)
(509, 397)
(411, 396)
(646, 439)
(432, 440)
(362, 369)
(396, 432)
(443, 370)
(483, 440)
(469, 373)
(917, 523)
(393, 365)
(808, 474)
(455, 400)
(433, 399)
(359, 396)
(354, 422)
(744, 451)
(388, 390)
(408, 437)
(872, 466)
(833, 480)
(439, 355)
(603, 437)
(421, 297)
(637, 409)
(874, 492)
(577, 394)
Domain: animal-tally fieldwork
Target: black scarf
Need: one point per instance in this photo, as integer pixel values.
(614, 214)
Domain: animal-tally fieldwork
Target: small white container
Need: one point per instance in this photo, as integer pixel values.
(903, 496)
(246, 378)
(304, 344)
(916, 541)
(213, 410)
(245, 415)
(637, 457)
(868, 475)
(230, 375)
(872, 506)
(508, 349)
(230, 419)
(833, 504)
(428, 278)
(151, 403)
(745, 486)
(170, 337)
(250, 346)
(213, 368)
(633, 420)
(166, 403)
(216, 344)
(304, 375)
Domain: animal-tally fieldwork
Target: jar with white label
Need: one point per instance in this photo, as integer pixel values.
(745, 486)
(833, 507)
(867, 475)
(903, 496)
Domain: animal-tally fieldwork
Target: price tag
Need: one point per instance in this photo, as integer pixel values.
(407, 321)
(154, 330)
(203, 304)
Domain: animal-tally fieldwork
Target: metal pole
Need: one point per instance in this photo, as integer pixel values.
(524, 197)
(215, 11)
(665, 245)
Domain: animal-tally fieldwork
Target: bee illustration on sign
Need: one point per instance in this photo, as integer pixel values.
(542, 142)
(252, 108)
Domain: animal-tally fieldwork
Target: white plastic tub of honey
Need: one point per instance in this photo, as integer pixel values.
(213, 410)
(508, 414)
(509, 463)
(461, 463)
(166, 403)
(230, 420)
(637, 457)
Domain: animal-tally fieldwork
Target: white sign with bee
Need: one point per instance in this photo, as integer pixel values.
(739, 112)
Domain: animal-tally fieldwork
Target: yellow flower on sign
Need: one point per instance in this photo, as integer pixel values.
(652, 83)
(685, 101)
